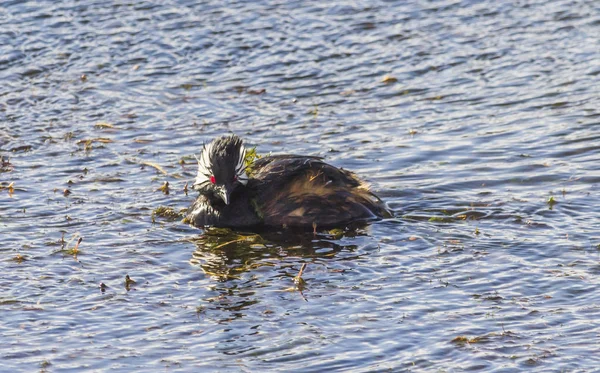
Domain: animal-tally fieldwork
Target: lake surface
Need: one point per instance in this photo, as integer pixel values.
(478, 122)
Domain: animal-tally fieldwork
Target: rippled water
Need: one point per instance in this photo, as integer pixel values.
(477, 122)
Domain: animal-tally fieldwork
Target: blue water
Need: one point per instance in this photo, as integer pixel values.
(477, 122)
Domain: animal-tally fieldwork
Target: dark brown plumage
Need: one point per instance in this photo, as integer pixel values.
(282, 190)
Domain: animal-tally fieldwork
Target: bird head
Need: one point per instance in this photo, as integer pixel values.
(221, 167)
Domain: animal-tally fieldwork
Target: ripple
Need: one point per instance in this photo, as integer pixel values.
(482, 138)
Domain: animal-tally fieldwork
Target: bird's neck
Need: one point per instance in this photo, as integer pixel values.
(214, 200)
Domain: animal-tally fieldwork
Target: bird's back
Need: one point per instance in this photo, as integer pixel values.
(300, 191)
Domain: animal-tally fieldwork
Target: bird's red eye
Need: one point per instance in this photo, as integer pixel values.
(213, 180)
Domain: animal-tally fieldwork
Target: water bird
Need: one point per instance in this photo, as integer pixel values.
(293, 191)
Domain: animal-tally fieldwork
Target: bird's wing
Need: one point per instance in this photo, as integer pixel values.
(302, 191)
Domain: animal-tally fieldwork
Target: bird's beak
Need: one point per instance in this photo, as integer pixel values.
(225, 192)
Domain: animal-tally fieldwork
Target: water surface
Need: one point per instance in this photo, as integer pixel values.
(477, 122)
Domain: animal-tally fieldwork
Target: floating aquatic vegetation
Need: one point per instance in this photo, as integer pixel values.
(218, 232)
(75, 250)
(167, 213)
(102, 140)
(10, 188)
(88, 144)
(23, 148)
(240, 238)
(299, 283)
(251, 156)
(256, 91)
(19, 258)
(242, 89)
(64, 246)
(551, 202)
(164, 188)
(389, 79)
(129, 282)
(336, 233)
(44, 365)
(298, 280)
(104, 125)
(5, 165)
(155, 165)
(441, 219)
(462, 340)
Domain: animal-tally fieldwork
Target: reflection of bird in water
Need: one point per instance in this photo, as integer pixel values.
(224, 255)
(239, 263)
(281, 190)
